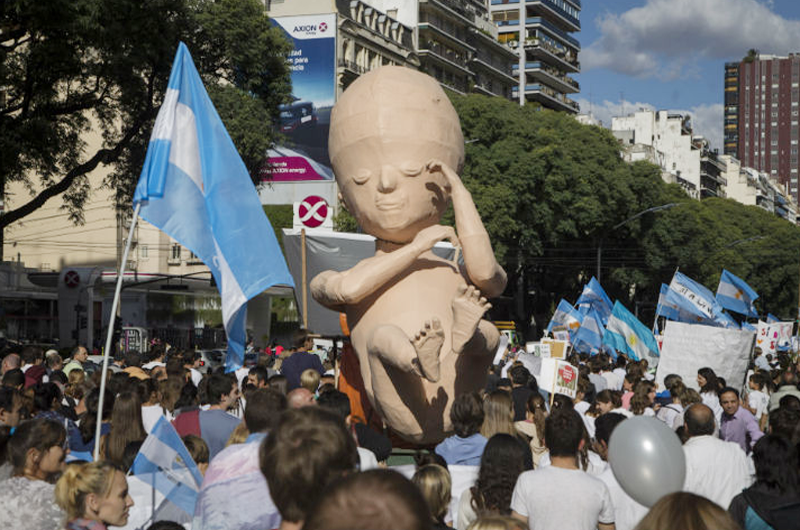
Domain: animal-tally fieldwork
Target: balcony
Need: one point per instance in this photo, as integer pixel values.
(551, 28)
(352, 67)
(492, 69)
(454, 8)
(554, 11)
(456, 40)
(718, 179)
(436, 53)
(539, 49)
(548, 98)
(549, 76)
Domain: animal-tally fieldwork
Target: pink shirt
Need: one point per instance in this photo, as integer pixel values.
(626, 400)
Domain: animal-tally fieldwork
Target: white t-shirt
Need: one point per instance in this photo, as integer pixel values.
(758, 400)
(152, 364)
(620, 373)
(668, 413)
(554, 498)
(150, 415)
(596, 464)
(612, 379)
(711, 400)
(627, 512)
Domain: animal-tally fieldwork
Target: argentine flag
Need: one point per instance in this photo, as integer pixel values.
(594, 296)
(735, 295)
(675, 307)
(566, 316)
(702, 299)
(626, 334)
(589, 337)
(164, 478)
(196, 189)
(771, 319)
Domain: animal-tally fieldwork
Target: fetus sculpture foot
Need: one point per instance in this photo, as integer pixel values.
(468, 309)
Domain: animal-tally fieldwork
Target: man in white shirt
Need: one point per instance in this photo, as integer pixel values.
(715, 469)
(627, 512)
(561, 496)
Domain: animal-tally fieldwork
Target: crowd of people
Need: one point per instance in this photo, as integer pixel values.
(279, 447)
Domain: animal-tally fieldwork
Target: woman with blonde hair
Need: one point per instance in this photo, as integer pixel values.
(36, 452)
(94, 496)
(435, 484)
(686, 511)
(498, 414)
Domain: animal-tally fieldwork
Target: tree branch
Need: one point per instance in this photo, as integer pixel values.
(104, 156)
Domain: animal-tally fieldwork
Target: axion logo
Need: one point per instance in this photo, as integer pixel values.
(323, 27)
(308, 28)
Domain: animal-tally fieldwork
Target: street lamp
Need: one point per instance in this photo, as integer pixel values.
(628, 220)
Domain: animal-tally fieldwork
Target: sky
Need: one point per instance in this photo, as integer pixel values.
(670, 54)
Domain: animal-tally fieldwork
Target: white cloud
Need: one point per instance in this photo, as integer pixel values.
(666, 38)
(706, 118)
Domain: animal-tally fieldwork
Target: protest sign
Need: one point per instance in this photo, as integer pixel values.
(558, 377)
(689, 347)
(558, 348)
(767, 337)
(539, 349)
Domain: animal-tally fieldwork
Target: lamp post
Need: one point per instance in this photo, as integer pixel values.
(626, 221)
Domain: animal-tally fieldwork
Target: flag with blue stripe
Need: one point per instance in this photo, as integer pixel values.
(594, 296)
(196, 189)
(771, 319)
(566, 316)
(589, 337)
(166, 463)
(675, 307)
(702, 299)
(735, 295)
(626, 334)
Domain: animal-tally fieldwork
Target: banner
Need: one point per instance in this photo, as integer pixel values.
(767, 336)
(558, 377)
(689, 347)
(306, 120)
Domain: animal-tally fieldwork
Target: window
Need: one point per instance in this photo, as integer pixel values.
(143, 250)
(176, 252)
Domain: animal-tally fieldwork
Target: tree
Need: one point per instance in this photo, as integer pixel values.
(71, 68)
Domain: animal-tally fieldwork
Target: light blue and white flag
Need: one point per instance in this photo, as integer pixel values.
(594, 296)
(746, 326)
(626, 334)
(589, 337)
(164, 463)
(675, 307)
(735, 295)
(196, 189)
(771, 319)
(566, 316)
(702, 299)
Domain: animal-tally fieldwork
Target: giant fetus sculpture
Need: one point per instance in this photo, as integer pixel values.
(415, 319)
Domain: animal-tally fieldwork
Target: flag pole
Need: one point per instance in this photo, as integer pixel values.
(304, 277)
(109, 336)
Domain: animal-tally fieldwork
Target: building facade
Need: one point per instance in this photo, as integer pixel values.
(673, 147)
(540, 33)
(767, 103)
(756, 188)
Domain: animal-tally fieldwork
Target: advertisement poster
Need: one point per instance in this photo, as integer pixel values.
(306, 120)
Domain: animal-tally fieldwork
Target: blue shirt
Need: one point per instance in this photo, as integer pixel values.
(298, 363)
(216, 427)
(462, 451)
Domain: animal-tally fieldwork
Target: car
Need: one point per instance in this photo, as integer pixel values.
(297, 116)
(211, 359)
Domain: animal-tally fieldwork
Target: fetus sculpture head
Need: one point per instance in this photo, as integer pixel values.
(385, 129)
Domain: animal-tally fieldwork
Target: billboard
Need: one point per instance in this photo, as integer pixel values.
(305, 121)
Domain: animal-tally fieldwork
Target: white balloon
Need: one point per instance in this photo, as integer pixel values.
(647, 459)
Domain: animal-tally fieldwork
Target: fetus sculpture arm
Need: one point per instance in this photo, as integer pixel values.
(336, 289)
(482, 267)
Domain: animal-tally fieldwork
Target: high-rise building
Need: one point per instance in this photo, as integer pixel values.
(767, 105)
(731, 125)
(546, 50)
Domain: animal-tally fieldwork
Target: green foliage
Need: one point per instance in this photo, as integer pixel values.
(280, 216)
(550, 190)
(83, 81)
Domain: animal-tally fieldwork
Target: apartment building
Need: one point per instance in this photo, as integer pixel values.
(541, 34)
(762, 103)
(756, 188)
